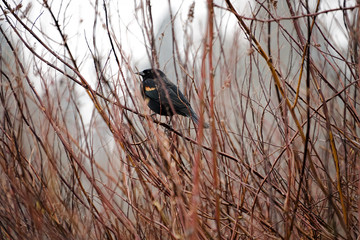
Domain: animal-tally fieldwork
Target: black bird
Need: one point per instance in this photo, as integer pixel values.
(157, 90)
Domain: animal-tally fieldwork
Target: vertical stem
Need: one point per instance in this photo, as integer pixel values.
(212, 115)
(154, 60)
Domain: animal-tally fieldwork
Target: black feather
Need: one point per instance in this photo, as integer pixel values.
(164, 97)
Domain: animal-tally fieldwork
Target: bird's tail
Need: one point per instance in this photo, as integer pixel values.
(195, 118)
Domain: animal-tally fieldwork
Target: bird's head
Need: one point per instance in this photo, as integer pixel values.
(151, 73)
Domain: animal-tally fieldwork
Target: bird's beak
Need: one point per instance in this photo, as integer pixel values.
(140, 73)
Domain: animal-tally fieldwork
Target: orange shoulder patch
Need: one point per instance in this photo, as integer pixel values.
(148, 89)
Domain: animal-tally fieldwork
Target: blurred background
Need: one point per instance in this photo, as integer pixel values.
(81, 157)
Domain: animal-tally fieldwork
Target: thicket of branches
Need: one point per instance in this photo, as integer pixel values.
(81, 157)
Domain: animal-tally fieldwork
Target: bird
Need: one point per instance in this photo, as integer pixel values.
(164, 97)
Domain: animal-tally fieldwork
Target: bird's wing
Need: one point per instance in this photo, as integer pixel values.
(178, 99)
(150, 90)
(157, 92)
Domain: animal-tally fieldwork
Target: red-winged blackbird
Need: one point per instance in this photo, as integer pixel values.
(157, 90)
